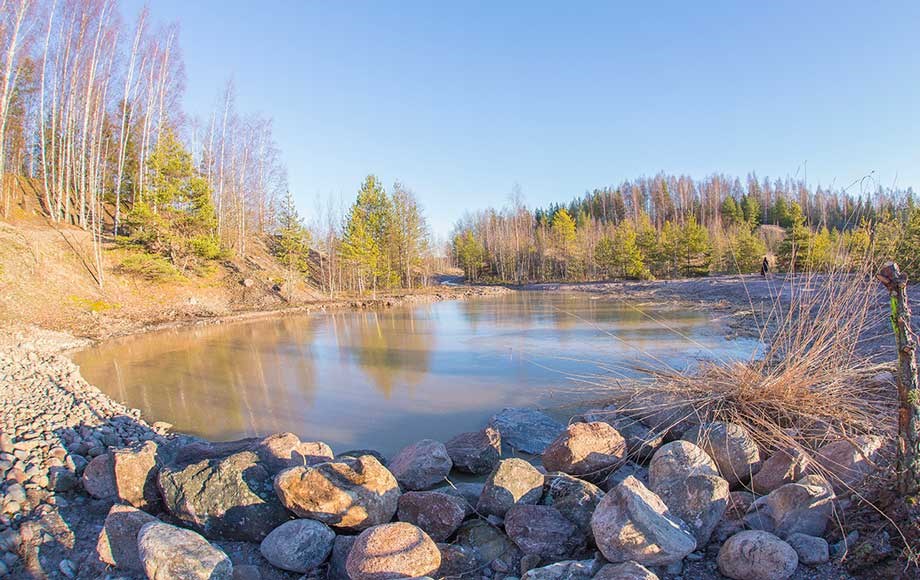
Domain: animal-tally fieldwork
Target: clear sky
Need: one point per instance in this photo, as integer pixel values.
(461, 100)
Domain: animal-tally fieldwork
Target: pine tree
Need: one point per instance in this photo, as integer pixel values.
(750, 207)
(746, 250)
(694, 248)
(563, 229)
(794, 249)
(292, 240)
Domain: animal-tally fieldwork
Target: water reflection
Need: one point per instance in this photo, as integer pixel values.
(384, 379)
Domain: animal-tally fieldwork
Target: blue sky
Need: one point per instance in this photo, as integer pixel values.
(462, 100)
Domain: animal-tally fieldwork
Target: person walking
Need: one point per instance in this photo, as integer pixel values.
(765, 267)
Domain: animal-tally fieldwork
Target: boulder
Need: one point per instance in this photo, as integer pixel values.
(803, 507)
(468, 491)
(513, 481)
(575, 499)
(734, 451)
(757, 555)
(392, 551)
(438, 514)
(641, 442)
(565, 570)
(135, 475)
(284, 450)
(699, 500)
(585, 449)
(543, 531)
(228, 498)
(476, 452)
(625, 571)
(526, 430)
(678, 460)
(117, 544)
(171, 553)
(349, 494)
(99, 477)
(632, 523)
(298, 545)
(779, 469)
(421, 465)
(848, 463)
(458, 561)
(359, 452)
(811, 550)
(340, 549)
(666, 413)
(628, 469)
(488, 544)
(739, 502)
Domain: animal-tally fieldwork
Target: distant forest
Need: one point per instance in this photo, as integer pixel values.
(674, 226)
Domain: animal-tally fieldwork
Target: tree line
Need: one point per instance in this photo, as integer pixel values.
(674, 226)
(91, 114)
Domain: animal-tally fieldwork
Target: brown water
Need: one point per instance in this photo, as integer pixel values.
(385, 379)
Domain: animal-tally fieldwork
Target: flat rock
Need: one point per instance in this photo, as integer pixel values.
(171, 553)
(541, 530)
(284, 450)
(699, 500)
(803, 507)
(632, 523)
(575, 499)
(349, 494)
(625, 571)
(298, 545)
(392, 551)
(677, 460)
(757, 555)
(476, 452)
(526, 430)
(734, 451)
(117, 544)
(513, 481)
(438, 514)
(228, 498)
(585, 449)
(421, 465)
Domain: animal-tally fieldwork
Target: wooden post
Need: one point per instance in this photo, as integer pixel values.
(908, 385)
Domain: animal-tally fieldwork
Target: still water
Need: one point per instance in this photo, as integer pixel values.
(385, 379)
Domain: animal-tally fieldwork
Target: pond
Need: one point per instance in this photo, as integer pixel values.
(383, 379)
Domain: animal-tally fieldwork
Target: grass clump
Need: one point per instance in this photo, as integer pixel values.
(150, 267)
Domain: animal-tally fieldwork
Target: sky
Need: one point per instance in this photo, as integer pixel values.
(462, 101)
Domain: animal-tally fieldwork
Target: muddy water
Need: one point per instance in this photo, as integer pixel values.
(385, 379)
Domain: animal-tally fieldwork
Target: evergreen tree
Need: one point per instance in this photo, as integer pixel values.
(731, 212)
(469, 253)
(794, 250)
(746, 250)
(292, 240)
(563, 230)
(694, 248)
(750, 207)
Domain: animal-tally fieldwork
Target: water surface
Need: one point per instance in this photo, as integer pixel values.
(385, 379)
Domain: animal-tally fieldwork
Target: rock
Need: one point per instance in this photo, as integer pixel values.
(739, 502)
(340, 549)
(355, 453)
(677, 460)
(247, 572)
(298, 545)
(526, 430)
(476, 452)
(628, 469)
(285, 450)
(469, 492)
(349, 494)
(488, 544)
(779, 469)
(665, 413)
(421, 465)
(734, 451)
(457, 561)
(565, 570)
(757, 555)
(625, 571)
(699, 500)
(641, 442)
(803, 507)
(227, 498)
(811, 550)
(171, 553)
(247, 282)
(513, 481)
(847, 464)
(438, 514)
(632, 523)
(575, 499)
(99, 477)
(135, 472)
(117, 544)
(585, 449)
(392, 551)
(543, 531)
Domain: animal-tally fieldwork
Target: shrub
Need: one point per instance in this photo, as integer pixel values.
(150, 267)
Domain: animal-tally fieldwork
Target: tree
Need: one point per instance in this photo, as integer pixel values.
(292, 241)
(563, 230)
(750, 207)
(746, 250)
(731, 212)
(469, 254)
(793, 252)
(410, 232)
(694, 248)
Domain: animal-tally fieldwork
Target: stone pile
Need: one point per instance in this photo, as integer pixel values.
(593, 502)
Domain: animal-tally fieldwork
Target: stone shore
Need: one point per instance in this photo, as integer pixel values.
(91, 490)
